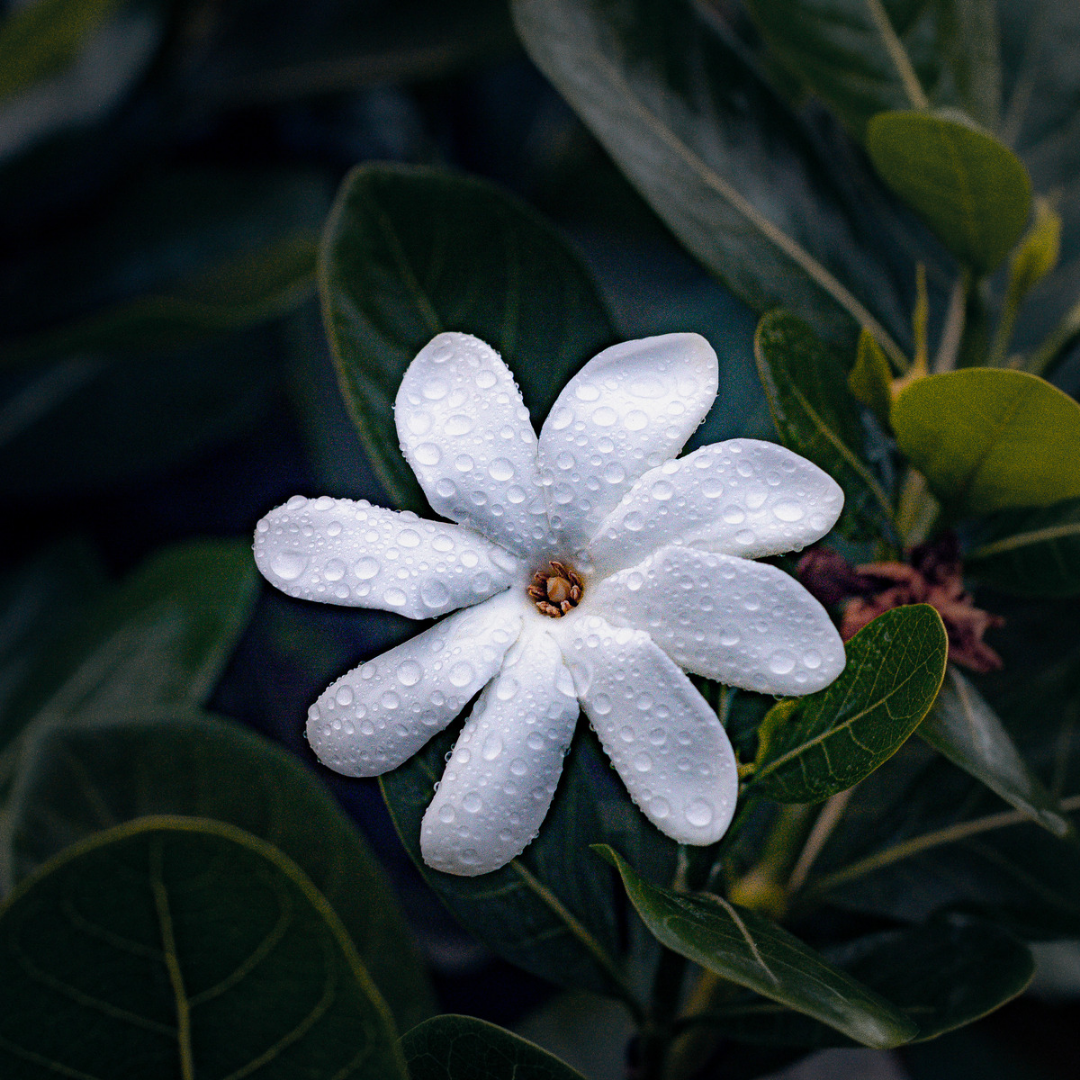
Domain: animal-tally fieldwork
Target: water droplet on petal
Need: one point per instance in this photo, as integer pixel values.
(409, 673)
(427, 454)
(493, 746)
(472, 803)
(288, 565)
(366, 568)
(788, 511)
(699, 813)
(461, 674)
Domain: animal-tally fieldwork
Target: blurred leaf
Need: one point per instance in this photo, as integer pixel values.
(410, 252)
(1032, 552)
(989, 439)
(858, 55)
(168, 942)
(738, 179)
(815, 416)
(1038, 254)
(971, 189)
(818, 745)
(462, 1048)
(749, 950)
(75, 781)
(870, 380)
(964, 728)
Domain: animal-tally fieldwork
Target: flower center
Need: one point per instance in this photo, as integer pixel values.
(556, 589)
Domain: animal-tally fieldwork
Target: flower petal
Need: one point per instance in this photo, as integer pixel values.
(742, 623)
(740, 497)
(668, 746)
(629, 408)
(499, 782)
(381, 713)
(358, 555)
(468, 438)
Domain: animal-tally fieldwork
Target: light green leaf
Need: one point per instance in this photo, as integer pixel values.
(191, 948)
(805, 384)
(409, 252)
(971, 189)
(463, 1048)
(870, 380)
(989, 439)
(1032, 552)
(749, 950)
(718, 156)
(827, 742)
(74, 781)
(964, 728)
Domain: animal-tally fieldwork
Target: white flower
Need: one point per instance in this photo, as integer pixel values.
(591, 567)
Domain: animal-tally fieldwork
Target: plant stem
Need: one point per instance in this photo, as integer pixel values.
(827, 820)
(898, 55)
(952, 332)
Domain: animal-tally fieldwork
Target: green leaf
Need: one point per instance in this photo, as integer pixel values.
(741, 182)
(828, 741)
(964, 728)
(971, 189)
(1038, 254)
(75, 781)
(168, 946)
(870, 380)
(749, 950)
(806, 387)
(1032, 552)
(462, 1048)
(989, 439)
(409, 252)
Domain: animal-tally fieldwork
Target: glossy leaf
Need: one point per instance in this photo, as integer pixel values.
(410, 252)
(964, 728)
(826, 742)
(738, 179)
(1032, 552)
(989, 439)
(178, 943)
(816, 417)
(971, 189)
(749, 950)
(463, 1048)
(74, 781)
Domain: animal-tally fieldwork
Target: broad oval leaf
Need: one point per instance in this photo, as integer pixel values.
(409, 252)
(990, 439)
(749, 950)
(190, 947)
(821, 744)
(453, 1047)
(815, 416)
(971, 189)
(964, 728)
(75, 780)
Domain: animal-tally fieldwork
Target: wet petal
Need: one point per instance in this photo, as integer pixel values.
(630, 408)
(739, 622)
(499, 782)
(352, 553)
(741, 497)
(468, 438)
(381, 713)
(666, 743)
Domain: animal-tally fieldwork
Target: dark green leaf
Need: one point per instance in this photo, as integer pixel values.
(410, 252)
(989, 439)
(826, 742)
(815, 416)
(1032, 552)
(964, 728)
(168, 945)
(749, 950)
(75, 781)
(971, 189)
(719, 157)
(463, 1048)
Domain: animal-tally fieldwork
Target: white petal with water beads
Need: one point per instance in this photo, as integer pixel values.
(349, 552)
(500, 779)
(381, 713)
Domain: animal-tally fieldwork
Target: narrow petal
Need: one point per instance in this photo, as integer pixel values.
(665, 742)
(741, 497)
(499, 782)
(381, 713)
(739, 622)
(468, 438)
(629, 408)
(358, 555)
